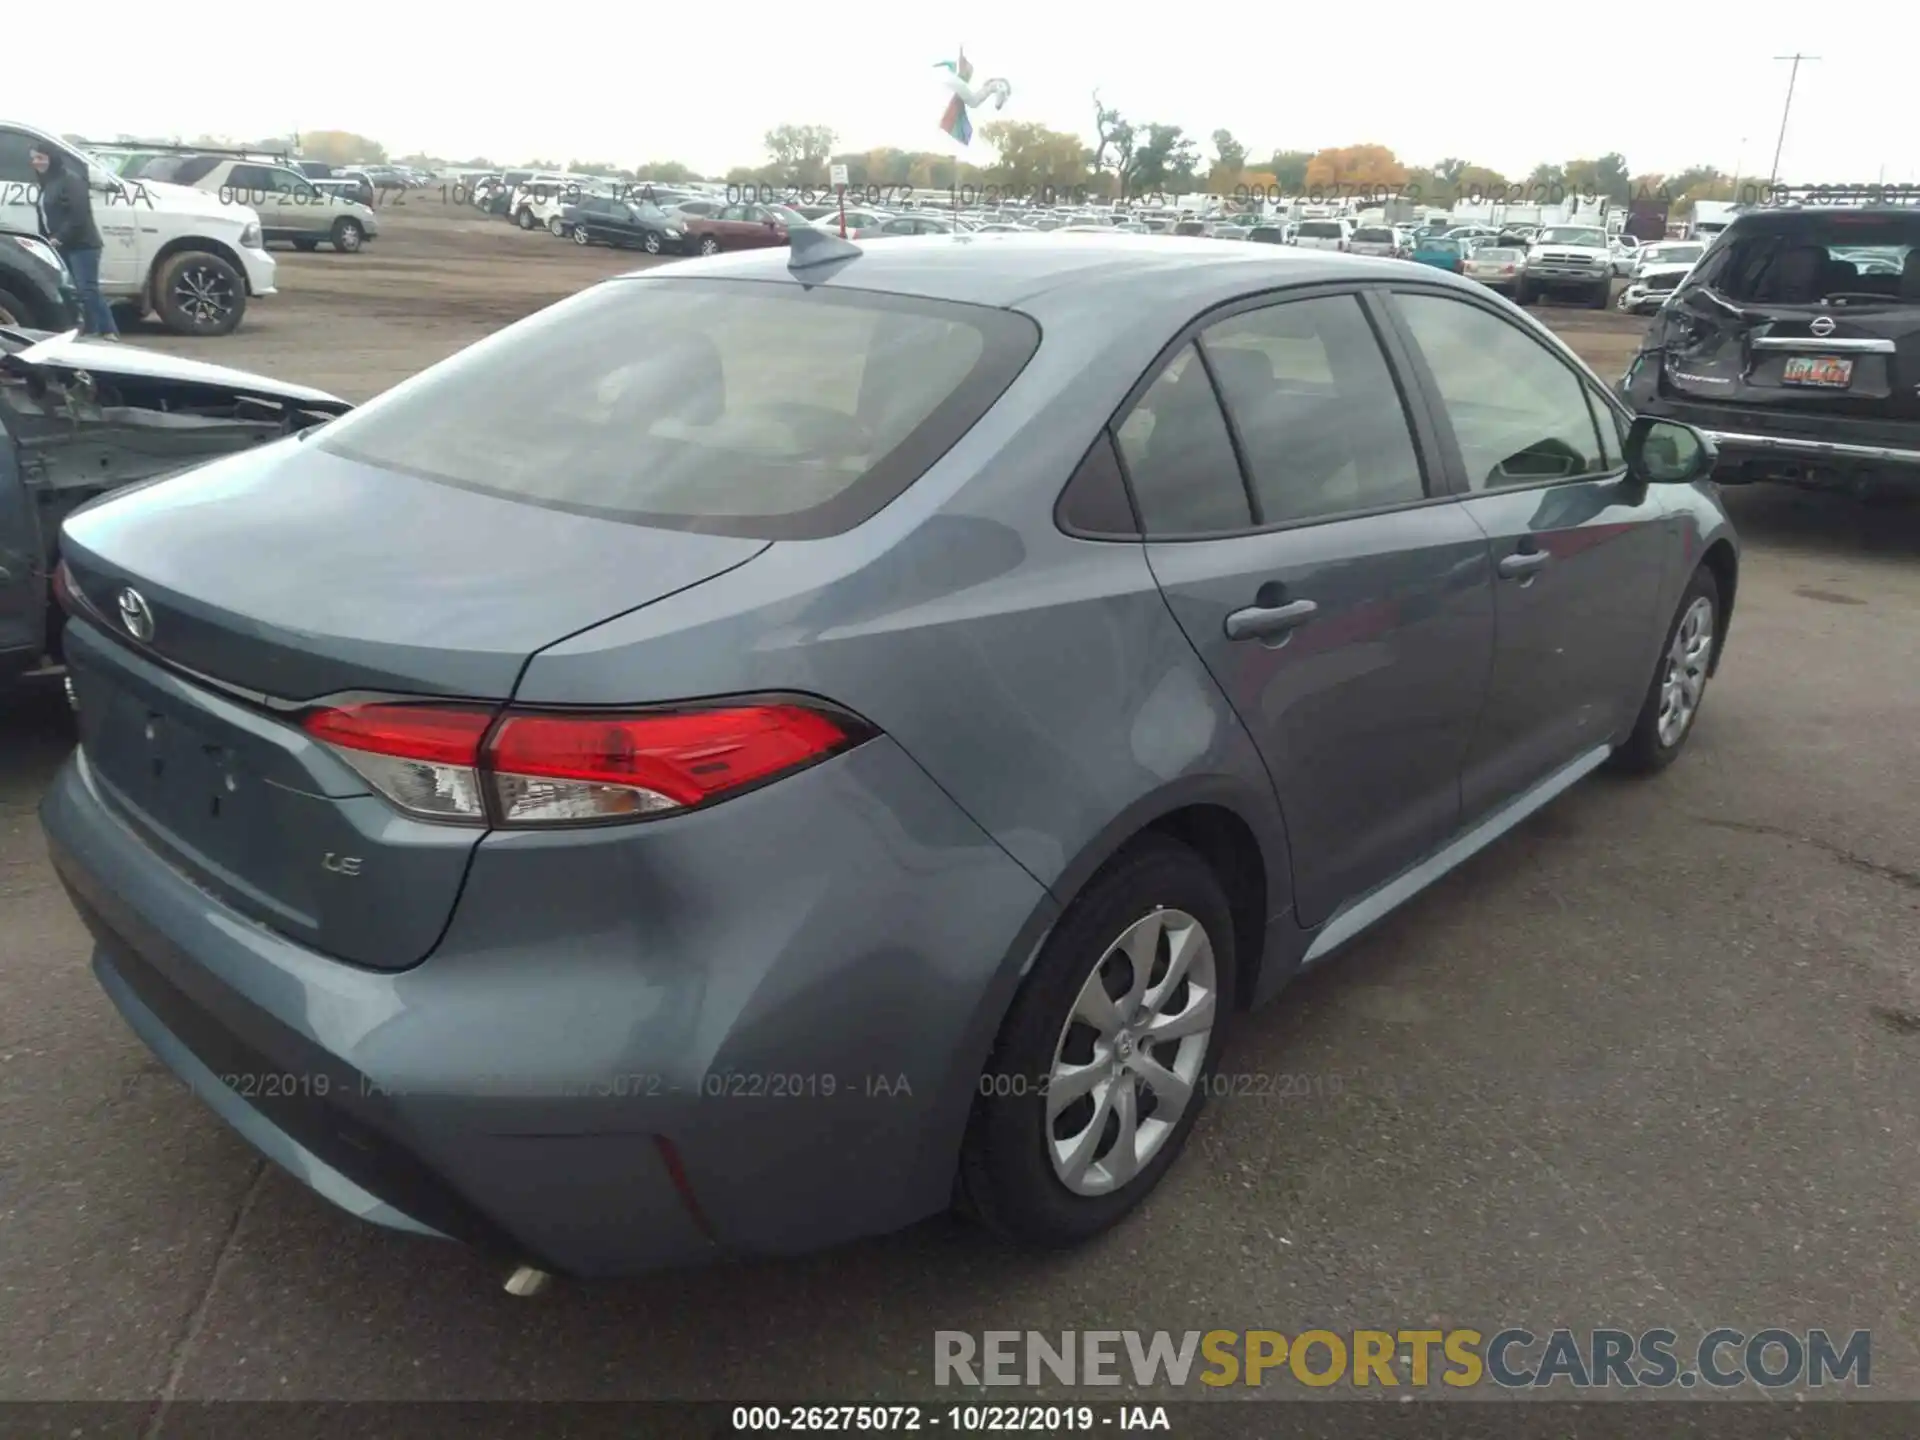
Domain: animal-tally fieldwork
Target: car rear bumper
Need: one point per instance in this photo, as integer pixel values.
(1756, 444)
(605, 1067)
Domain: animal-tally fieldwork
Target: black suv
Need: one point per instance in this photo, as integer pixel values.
(1795, 343)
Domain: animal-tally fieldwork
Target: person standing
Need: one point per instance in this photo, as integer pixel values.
(66, 218)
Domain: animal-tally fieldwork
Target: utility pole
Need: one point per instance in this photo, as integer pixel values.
(1792, 76)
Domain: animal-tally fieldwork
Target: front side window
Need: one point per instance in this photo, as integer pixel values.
(1519, 413)
(1319, 417)
(734, 407)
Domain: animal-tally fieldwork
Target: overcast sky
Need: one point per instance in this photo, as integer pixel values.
(1666, 85)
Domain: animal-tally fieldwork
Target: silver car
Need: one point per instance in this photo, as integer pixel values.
(849, 726)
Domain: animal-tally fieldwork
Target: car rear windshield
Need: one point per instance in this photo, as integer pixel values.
(1497, 256)
(1859, 259)
(1320, 229)
(1371, 236)
(737, 407)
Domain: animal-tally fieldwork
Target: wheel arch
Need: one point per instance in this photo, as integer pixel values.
(1724, 564)
(193, 244)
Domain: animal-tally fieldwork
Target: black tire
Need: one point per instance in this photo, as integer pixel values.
(19, 310)
(652, 244)
(1007, 1180)
(580, 236)
(306, 246)
(198, 293)
(1644, 752)
(709, 245)
(1523, 294)
(557, 227)
(348, 235)
(524, 218)
(1602, 297)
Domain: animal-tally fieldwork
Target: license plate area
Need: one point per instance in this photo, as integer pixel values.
(1817, 372)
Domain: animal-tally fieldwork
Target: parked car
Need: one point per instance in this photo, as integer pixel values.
(603, 220)
(1497, 267)
(788, 678)
(1626, 249)
(291, 207)
(169, 250)
(861, 222)
(910, 225)
(1374, 240)
(1269, 235)
(36, 291)
(1440, 251)
(1795, 342)
(1668, 252)
(736, 227)
(80, 418)
(1569, 259)
(1651, 287)
(1323, 234)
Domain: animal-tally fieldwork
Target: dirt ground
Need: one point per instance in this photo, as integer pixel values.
(441, 276)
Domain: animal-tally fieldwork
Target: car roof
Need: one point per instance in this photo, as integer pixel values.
(1010, 270)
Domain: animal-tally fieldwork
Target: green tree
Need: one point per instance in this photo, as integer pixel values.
(799, 153)
(1032, 157)
(666, 172)
(1229, 155)
(1164, 158)
(341, 147)
(1289, 170)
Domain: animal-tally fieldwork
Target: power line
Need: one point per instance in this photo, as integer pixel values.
(1792, 76)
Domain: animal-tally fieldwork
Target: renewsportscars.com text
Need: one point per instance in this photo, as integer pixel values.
(1513, 1358)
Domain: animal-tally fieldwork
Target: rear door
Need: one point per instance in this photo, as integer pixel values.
(1580, 548)
(1301, 531)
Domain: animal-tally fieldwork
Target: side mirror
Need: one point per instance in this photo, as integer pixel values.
(1666, 452)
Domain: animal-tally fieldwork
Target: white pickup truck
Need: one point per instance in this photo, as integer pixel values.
(1566, 259)
(182, 255)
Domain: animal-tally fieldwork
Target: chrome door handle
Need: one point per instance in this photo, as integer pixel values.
(1523, 562)
(1260, 622)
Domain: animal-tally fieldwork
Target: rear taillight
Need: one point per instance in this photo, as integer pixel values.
(530, 767)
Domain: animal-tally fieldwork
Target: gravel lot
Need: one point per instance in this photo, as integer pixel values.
(1648, 1061)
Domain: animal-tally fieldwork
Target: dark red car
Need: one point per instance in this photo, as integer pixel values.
(737, 227)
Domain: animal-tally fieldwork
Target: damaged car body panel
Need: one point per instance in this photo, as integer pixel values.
(1795, 343)
(80, 419)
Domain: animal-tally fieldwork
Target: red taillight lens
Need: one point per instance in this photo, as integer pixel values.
(541, 768)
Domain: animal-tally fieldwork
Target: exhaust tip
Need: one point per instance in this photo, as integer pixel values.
(526, 1282)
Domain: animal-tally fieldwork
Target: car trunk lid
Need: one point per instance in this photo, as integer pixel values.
(202, 638)
(1856, 361)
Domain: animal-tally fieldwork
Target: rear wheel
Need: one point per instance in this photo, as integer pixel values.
(525, 218)
(555, 227)
(709, 245)
(17, 310)
(1106, 1057)
(1679, 683)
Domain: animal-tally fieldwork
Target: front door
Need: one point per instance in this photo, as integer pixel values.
(1579, 547)
(1341, 599)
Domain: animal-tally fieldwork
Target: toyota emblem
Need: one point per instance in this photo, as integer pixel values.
(135, 615)
(1823, 326)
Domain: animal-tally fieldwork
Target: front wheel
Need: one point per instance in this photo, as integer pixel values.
(198, 293)
(1601, 297)
(348, 236)
(1679, 685)
(525, 218)
(1523, 294)
(580, 236)
(651, 244)
(1107, 1055)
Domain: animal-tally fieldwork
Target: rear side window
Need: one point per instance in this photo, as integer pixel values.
(1179, 456)
(734, 407)
(1319, 417)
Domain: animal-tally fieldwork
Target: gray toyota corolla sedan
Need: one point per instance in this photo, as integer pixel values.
(769, 746)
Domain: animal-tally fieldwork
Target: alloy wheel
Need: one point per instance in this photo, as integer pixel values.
(1684, 679)
(1130, 1053)
(204, 295)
